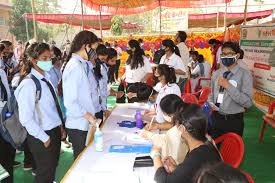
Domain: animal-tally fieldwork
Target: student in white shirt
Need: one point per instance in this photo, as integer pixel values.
(138, 67)
(41, 120)
(55, 72)
(167, 85)
(172, 59)
(202, 70)
(180, 39)
(80, 110)
(119, 54)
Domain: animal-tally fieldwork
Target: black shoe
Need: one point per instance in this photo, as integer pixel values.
(16, 164)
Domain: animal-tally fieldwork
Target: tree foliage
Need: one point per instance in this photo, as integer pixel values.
(116, 27)
(17, 20)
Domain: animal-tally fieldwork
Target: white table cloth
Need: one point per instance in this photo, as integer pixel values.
(105, 167)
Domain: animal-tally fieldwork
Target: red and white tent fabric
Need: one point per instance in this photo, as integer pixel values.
(90, 21)
(125, 7)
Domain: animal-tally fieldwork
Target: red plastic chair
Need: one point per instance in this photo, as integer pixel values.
(199, 87)
(202, 95)
(189, 98)
(267, 120)
(231, 148)
(249, 178)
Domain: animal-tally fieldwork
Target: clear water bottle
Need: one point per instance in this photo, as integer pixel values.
(139, 122)
(98, 139)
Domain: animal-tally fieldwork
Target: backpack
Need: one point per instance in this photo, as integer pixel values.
(11, 129)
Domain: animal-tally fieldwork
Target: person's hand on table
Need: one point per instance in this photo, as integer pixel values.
(169, 164)
(107, 113)
(145, 134)
(152, 126)
(120, 94)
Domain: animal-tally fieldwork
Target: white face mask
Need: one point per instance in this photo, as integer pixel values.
(167, 118)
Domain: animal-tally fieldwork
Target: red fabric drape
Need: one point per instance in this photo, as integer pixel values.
(126, 7)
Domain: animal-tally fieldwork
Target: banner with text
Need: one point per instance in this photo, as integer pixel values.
(258, 43)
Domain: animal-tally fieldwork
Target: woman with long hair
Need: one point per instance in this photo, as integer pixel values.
(166, 85)
(191, 123)
(80, 110)
(40, 115)
(173, 59)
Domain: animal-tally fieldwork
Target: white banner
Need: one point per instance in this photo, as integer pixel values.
(258, 43)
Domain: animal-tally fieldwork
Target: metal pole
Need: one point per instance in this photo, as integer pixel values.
(34, 23)
(27, 26)
(160, 31)
(100, 23)
(82, 18)
(245, 12)
(225, 21)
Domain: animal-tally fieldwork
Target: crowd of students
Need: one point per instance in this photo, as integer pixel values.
(74, 86)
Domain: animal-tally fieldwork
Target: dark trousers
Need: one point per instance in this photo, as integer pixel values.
(117, 68)
(111, 74)
(28, 158)
(46, 159)
(223, 124)
(7, 156)
(78, 140)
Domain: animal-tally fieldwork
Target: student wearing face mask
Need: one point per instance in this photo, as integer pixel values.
(171, 144)
(76, 89)
(231, 93)
(55, 72)
(167, 85)
(191, 123)
(41, 118)
(172, 58)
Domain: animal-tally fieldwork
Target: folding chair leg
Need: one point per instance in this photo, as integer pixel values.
(262, 132)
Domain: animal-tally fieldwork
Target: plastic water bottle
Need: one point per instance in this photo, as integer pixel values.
(98, 139)
(207, 111)
(139, 122)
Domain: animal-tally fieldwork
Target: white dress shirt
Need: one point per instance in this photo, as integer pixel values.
(25, 95)
(136, 75)
(184, 53)
(175, 62)
(162, 92)
(77, 93)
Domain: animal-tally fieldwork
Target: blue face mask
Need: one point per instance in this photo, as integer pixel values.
(228, 61)
(45, 65)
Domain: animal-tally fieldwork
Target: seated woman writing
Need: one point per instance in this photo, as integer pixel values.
(171, 143)
(167, 85)
(192, 125)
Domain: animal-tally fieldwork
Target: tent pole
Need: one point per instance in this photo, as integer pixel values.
(217, 17)
(225, 20)
(100, 23)
(160, 31)
(82, 20)
(27, 30)
(33, 19)
(245, 12)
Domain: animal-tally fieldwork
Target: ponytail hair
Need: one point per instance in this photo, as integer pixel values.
(82, 38)
(194, 120)
(168, 72)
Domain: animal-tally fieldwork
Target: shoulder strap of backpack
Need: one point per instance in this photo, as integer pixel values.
(38, 88)
(4, 93)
